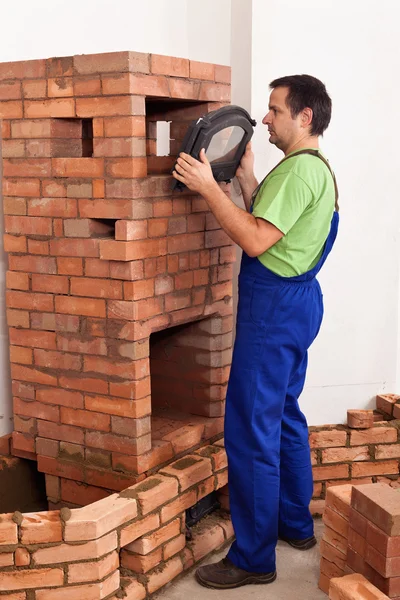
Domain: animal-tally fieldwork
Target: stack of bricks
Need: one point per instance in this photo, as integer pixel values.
(374, 536)
(344, 455)
(127, 545)
(354, 587)
(335, 537)
(103, 255)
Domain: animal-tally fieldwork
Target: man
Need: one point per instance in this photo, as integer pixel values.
(286, 233)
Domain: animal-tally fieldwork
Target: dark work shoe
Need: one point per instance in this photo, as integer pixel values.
(225, 575)
(300, 544)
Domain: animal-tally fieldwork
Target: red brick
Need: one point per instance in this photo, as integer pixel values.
(91, 591)
(80, 493)
(336, 522)
(70, 266)
(80, 306)
(10, 90)
(26, 167)
(338, 455)
(115, 443)
(336, 540)
(379, 503)
(34, 88)
(34, 375)
(85, 419)
(21, 187)
(13, 243)
(87, 86)
(112, 106)
(386, 402)
(141, 563)
(14, 206)
(36, 409)
(34, 339)
(50, 283)
(331, 472)
(68, 469)
(167, 65)
(59, 107)
(38, 247)
(360, 419)
(60, 87)
(13, 148)
(374, 435)
(189, 471)
(125, 126)
(385, 544)
(31, 578)
(110, 62)
(201, 70)
(32, 264)
(96, 288)
(77, 167)
(375, 468)
(11, 109)
(327, 439)
(17, 281)
(39, 528)
(52, 207)
(117, 406)
(85, 384)
(126, 167)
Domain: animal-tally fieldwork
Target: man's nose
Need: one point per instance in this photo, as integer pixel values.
(267, 119)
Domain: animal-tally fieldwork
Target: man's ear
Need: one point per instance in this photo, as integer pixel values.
(306, 117)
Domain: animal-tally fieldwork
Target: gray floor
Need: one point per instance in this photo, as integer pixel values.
(298, 574)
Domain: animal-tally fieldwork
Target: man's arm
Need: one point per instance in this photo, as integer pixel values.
(253, 235)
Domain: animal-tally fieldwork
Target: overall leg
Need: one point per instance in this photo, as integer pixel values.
(295, 521)
(255, 401)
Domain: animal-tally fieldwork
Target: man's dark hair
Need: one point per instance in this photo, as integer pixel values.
(306, 91)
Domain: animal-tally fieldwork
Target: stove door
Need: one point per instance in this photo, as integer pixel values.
(223, 134)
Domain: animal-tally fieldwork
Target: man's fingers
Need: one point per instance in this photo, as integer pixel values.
(177, 176)
(189, 159)
(180, 169)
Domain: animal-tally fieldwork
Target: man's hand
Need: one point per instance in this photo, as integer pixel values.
(245, 171)
(196, 175)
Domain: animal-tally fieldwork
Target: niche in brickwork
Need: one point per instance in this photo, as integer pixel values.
(71, 138)
(185, 369)
(166, 125)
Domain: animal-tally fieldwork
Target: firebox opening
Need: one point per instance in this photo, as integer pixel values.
(166, 125)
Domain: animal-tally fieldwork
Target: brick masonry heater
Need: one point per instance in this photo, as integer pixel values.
(119, 290)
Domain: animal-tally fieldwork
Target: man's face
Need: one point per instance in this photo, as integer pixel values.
(283, 129)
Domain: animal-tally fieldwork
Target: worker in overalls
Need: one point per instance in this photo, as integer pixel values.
(286, 234)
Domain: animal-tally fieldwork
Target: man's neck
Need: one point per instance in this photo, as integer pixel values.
(308, 142)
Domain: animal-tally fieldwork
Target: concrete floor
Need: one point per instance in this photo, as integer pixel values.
(298, 574)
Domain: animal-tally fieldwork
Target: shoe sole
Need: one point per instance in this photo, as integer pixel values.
(249, 580)
(310, 544)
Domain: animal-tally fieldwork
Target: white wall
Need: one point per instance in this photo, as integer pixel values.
(47, 28)
(353, 47)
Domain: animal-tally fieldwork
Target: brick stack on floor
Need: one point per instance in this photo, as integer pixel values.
(371, 523)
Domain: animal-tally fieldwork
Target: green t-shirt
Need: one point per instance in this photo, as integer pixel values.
(298, 197)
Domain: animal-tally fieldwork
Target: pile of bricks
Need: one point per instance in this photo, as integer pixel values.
(374, 536)
(367, 450)
(128, 544)
(362, 535)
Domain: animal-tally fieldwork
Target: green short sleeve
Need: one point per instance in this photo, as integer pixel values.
(283, 200)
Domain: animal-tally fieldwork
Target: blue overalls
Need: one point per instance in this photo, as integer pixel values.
(266, 434)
